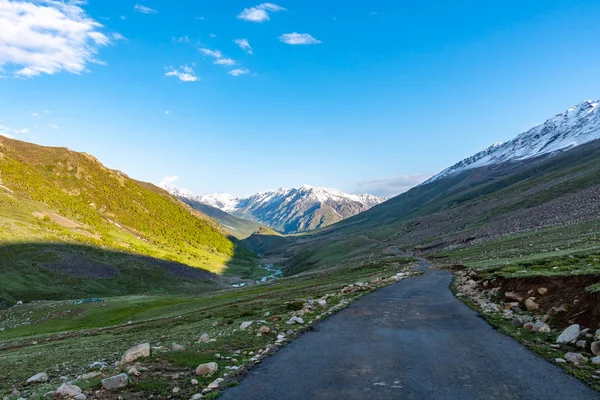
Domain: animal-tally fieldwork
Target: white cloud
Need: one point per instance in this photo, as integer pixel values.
(239, 71)
(183, 39)
(46, 112)
(224, 61)
(118, 36)
(183, 73)
(211, 53)
(392, 186)
(143, 9)
(167, 112)
(212, 35)
(259, 13)
(168, 181)
(122, 17)
(199, 18)
(53, 126)
(244, 45)
(295, 38)
(47, 36)
(34, 114)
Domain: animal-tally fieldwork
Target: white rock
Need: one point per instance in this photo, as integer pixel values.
(207, 369)
(576, 358)
(67, 390)
(245, 324)
(560, 360)
(194, 382)
(204, 338)
(295, 320)
(215, 384)
(139, 351)
(41, 377)
(570, 334)
(596, 360)
(197, 396)
(80, 397)
(115, 382)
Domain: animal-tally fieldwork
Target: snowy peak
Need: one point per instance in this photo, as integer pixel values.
(288, 210)
(574, 127)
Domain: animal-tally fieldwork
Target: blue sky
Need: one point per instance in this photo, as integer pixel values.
(379, 95)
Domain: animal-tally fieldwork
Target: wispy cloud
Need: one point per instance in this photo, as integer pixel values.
(244, 45)
(34, 114)
(392, 186)
(259, 13)
(144, 10)
(53, 126)
(295, 38)
(219, 58)
(122, 17)
(119, 37)
(183, 73)
(239, 71)
(8, 132)
(47, 37)
(183, 39)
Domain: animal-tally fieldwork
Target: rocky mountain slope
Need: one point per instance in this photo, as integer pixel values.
(287, 210)
(73, 227)
(574, 127)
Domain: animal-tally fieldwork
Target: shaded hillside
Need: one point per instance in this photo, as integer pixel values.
(469, 207)
(58, 195)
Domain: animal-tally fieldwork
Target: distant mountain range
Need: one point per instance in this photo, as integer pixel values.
(574, 127)
(286, 210)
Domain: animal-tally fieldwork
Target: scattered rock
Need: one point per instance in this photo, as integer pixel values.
(576, 358)
(596, 360)
(264, 329)
(80, 396)
(295, 320)
(20, 302)
(531, 305)
(596, 348)
(570, 334)
(582, 344)
(133, 371)
(207, 369)
(115, 382)
(176, 390)
(204, 338)
(37, 378)
(560, 360)
(194, 382)
(542, 291)
(276, 318)
(215, 384)
(177, 347)
(246, 324)
(67, 390)
(197, 396)
(139, 351)
(513, 296)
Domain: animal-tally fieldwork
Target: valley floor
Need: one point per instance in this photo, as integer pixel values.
(411, 340)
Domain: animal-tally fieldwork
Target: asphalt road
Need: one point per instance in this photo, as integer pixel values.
(411, 340)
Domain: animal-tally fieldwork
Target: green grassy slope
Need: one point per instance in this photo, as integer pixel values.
(471, 207)
(60, 196)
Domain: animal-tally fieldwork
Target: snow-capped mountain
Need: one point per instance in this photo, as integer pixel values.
(288, 210)
(576, 126)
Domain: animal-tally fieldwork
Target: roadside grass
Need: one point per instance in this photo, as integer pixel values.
(64, 338)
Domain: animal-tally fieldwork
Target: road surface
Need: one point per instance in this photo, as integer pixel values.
(411, 340)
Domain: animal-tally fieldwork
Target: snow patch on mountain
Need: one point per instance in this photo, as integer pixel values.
(574, 127)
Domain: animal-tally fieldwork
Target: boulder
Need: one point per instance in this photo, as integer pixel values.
(37, 378)
(264, 329)
(67, 390)
(596, 360)
(216, 384)
(295, 320)
(115, 382)
(513, 296)
(570, 334)
(322, 303)
(207, 369)
(246, 324)
(204, 338)
(177, 347)
(582, 344)
(596, 348)
(139, 351)
(531, 305)
(576, 358)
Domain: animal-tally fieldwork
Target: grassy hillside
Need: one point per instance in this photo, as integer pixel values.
(238, 227)
(458, 211)
(60, 196)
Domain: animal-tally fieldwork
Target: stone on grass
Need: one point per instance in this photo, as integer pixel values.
(207, 369)
(576, 358)
(570, 334)
(139, 351)
(246, 324)
(215, 384)
(67, 390)
(264, 329)
(115, 382)
(37, 378)
(204, 338)
(194, 382)
(177, 347)
(596, 348)
(295, 320)
(197, 396)
(560, 360)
